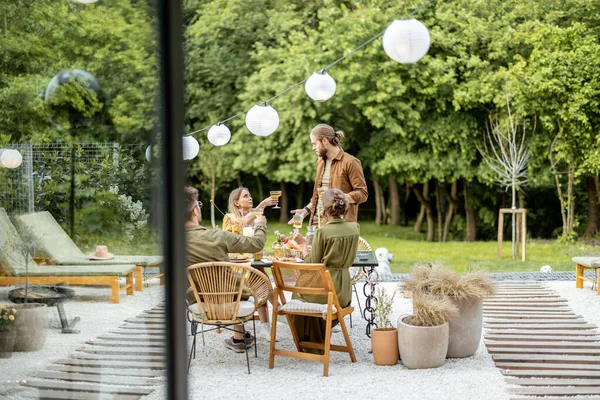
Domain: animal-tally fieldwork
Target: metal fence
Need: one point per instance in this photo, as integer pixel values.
(18, 187)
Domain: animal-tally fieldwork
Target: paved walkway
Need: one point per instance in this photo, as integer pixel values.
(126, 364)
(505, 276)
(541, 345)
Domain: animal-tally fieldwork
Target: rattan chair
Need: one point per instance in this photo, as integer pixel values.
(221, 291)
(356, 274)
(308, 279)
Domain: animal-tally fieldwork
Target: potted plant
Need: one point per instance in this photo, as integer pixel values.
(32, 324)
(467, 292)
(8, 316)
(423, 336)
(384, 338)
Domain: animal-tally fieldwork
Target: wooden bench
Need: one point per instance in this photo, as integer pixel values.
(583, 263)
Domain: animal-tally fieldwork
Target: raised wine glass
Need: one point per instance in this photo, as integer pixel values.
(276, 194)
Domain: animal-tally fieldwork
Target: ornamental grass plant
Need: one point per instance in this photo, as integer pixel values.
(431, 310)
(436, 280)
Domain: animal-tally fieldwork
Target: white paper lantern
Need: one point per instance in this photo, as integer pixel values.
(149, 153)
(406, 41)
(219, 134)
(262, 120)
(320, 86)
(191, 147)
(11, 158)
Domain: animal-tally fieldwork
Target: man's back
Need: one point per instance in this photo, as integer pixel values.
(204, 245)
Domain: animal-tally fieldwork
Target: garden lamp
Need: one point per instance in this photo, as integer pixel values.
(219, 134)
(320, 86)
(10, 158)
(262, 120)
(406, 41)
(191, 147)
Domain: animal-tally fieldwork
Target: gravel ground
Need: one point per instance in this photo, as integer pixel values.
(218, 373)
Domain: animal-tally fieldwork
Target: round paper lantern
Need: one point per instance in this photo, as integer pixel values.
(320, 86)
(219, 135)
(11, 158)
(406, 41)
(149, 153)
(262, 120)
(191, 147)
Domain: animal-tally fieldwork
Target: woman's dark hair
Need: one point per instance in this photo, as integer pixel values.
(334, 203)
(325, 131)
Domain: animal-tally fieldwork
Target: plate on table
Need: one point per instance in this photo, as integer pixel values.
(240, 260)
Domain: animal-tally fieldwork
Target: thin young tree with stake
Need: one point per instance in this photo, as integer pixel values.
(504, 150)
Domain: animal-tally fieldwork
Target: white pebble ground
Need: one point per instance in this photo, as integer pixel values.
(218, 373)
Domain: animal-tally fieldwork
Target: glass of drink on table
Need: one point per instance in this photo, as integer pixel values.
(276, 194)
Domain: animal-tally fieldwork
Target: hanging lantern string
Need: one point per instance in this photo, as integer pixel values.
(413, 12)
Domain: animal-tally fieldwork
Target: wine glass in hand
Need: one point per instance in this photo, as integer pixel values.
(276, 194)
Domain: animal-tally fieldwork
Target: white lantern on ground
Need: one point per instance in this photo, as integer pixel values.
(262, 120)
(149, 153)
(320, 86)
(406, 41)
(11, 158)
(219, 134)
(191, 147)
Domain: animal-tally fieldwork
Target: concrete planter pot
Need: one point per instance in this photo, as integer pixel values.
(31, 326)
(7, 343)
(422, 346)
(384, 343)
(465, 328)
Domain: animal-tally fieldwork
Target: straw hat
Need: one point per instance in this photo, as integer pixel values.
(101, 253)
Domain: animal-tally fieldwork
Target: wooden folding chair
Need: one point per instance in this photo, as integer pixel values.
(307, 279)
(219, 289)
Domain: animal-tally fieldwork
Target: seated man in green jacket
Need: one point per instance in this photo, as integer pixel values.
(205, 245)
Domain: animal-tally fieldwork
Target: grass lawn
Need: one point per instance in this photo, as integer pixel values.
(410, 248)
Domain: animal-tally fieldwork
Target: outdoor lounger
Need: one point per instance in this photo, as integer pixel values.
(54, 242)
(16, 264)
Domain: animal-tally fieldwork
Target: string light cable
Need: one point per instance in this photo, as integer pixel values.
(322, 71)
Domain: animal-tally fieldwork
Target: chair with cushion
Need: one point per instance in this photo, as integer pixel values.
(221, 293)
(356, 273)
(54, 242)
(17, 264)
(583, 263)
(307, 279)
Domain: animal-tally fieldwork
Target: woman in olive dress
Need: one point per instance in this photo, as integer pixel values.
(334, 245)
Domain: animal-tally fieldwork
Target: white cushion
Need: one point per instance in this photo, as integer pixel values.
(246, 308)
(298, 306)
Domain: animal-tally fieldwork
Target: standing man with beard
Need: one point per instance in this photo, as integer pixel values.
(336, 169)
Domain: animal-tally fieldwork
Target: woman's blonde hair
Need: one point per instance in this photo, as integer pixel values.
(334, 203)
(322, 131)
(233, 196)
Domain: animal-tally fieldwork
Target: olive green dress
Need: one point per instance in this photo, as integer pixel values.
(335, 245)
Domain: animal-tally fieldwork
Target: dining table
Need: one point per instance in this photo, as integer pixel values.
(366, 260)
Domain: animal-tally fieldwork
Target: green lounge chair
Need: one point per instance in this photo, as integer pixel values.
(16, 265)
(58, 246)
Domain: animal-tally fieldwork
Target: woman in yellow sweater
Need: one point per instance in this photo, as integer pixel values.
(238, 217)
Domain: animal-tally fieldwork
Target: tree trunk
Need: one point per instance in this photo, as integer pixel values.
(394, 202)
(404, 205)
(469, 213)
(593, 209)
(378, 208)
(452, 198)
(571, 200)
(299, 195)
(260, 190)
(284, 204)
(426, 206)
(439, 209)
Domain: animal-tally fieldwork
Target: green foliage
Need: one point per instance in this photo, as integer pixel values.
(384, 306)
(8, 316)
